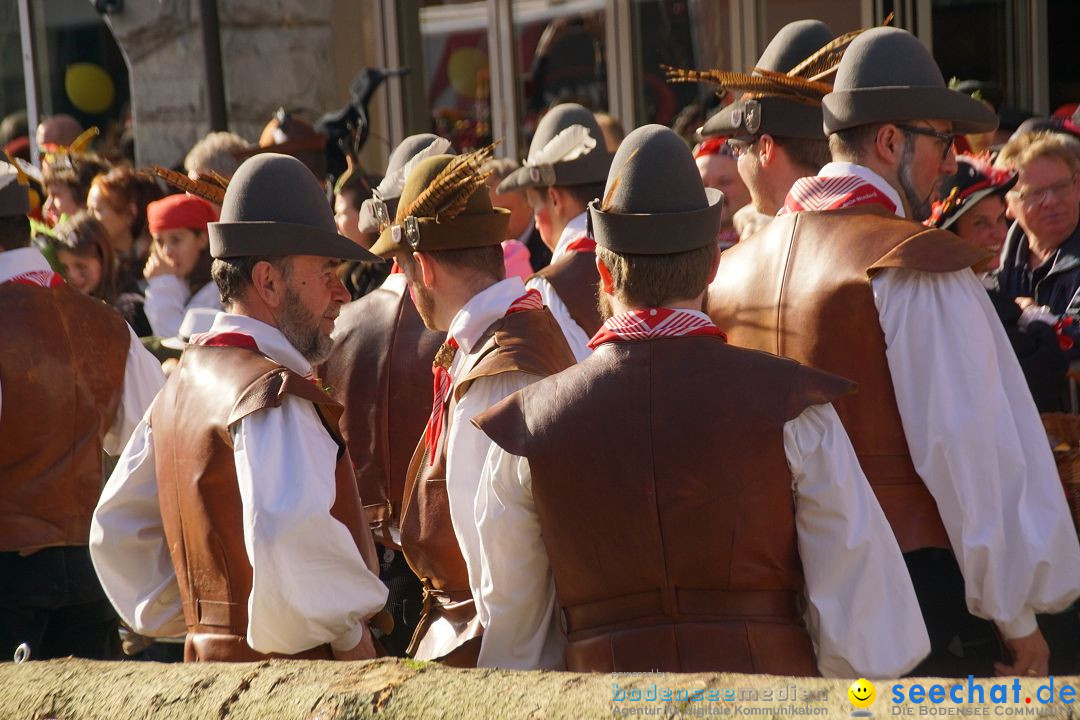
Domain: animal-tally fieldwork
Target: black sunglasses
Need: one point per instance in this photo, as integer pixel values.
(946, 138)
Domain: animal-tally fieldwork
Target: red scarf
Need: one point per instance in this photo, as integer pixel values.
(583, 244)
(833, 192)
(531, 300)
(235, 339)
(37, 278)
(653, 323)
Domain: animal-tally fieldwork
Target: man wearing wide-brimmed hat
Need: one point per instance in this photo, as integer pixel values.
(447, 238)
(776, 135)
(380, 370)
(566, 168)
(74, 380)
(715, 497)
(238, 471)
(847, 280)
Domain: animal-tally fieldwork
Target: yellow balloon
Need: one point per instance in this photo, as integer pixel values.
(89, 87)
(464, 67)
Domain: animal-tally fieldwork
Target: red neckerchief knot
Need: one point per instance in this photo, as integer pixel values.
(833, 192)
(654, 323)
(440, 368)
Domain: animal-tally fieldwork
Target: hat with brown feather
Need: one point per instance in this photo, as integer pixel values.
(654, 202)
(804, 51)
(445, 205)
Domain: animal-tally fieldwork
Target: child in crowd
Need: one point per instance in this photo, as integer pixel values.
(118, 199)
(89, 266)
(67, 183)
(178, 269)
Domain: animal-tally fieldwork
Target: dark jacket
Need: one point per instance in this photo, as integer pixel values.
(1053, 284)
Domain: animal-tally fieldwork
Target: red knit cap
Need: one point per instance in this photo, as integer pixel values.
(179, 211)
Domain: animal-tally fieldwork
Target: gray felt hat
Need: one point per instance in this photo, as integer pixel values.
(887, 75)
(275, 206)
(654, 203)
(567, 149)
(374, 219)
(14, 193)
(749, 117)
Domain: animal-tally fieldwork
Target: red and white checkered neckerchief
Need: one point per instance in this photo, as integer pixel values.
(38, 278)
(833, 192)
(531, 300)
(654, 323)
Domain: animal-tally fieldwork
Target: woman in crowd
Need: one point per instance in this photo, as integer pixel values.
(118, 200)
(178, 269)
(67, 183)
(89, 266)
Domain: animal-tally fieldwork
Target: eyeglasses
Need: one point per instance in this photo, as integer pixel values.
(1037, 196)
(943, 137)
(738, 148)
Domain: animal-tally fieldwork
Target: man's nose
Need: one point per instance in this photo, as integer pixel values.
(338, 293)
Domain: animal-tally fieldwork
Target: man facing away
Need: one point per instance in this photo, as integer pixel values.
(714, 500)
(74, 380)
(233, 513)
(447, 239)
(848, 281)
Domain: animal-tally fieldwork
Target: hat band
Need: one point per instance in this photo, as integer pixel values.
(277, 239)
(464, 231)
(655, 234)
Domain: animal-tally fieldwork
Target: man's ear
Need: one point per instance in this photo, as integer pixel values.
(889, 143)
(269, 284)
(766, 149)
(428, 269)
(606, 283)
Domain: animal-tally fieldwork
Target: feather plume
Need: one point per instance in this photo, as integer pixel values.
(759, 84)
(81, 143)
(198, 188)
(821, 65)
(609, 197)
(448, 192)
(33, 172)
(392, 185)
(217, 178)
(570, 144)
(796, 85)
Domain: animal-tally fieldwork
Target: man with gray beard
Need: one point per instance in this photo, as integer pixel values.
(233, 512)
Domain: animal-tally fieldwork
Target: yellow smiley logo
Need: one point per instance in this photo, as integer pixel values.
(861, 693)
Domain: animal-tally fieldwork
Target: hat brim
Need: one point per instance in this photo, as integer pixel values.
(463, 231)
(975, 198)
(777, 116)
(658, 233)
(244, 239)
(588, 169)
(843, 109)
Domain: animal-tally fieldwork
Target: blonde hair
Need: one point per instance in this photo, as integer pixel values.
(1026, 148)
(216, 152)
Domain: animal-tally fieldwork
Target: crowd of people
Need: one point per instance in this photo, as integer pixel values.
(763, 401)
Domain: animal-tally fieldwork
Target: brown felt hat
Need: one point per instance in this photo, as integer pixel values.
(373, 217)
(14, 193)
(275, 206)
(887, 75)
(747, 118)
(477, 225)
(567, 149)
(654, 202)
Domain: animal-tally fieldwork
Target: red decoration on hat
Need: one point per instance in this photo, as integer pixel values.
(179, 211)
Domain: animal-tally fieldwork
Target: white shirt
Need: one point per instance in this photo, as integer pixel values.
(977, 441)
(310, 584)
(466, 445)
(168, 299)
(851, 562)
(142, 372)
(576, 337)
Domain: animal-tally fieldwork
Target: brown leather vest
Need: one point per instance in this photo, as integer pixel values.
(801, 288)
(665, 504)
(212, 389)
(575, 279)
(62, 361)
(529, 341)
(380, 370)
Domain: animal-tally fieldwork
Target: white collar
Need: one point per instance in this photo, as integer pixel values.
(22, 261)
(269, 339)
(836, 169)
(574, 229)
(482, 310)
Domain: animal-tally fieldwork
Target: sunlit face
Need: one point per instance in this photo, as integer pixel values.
(313, 298)
(984, 225)
(540, 202)
(59, 201)
(347, 219)
(82, 272)
(926, 162)
(1046, 199)
(721, 172)
(180, 248)
(117, 224)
